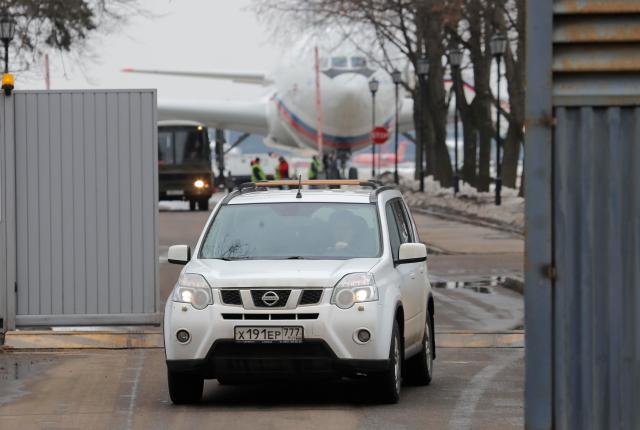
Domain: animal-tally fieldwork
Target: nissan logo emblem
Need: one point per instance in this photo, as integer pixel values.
(270, 298)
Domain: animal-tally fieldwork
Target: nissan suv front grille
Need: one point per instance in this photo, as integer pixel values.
(270, 298)
(310, 297)
(231, 297)
(265, 298)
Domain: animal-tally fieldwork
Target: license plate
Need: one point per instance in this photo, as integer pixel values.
(269, 334)
(175, 192)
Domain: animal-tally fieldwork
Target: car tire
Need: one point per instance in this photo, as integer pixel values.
(203, 204)
(390, 382)
(185, 389)
(192, 205)
(419, 368)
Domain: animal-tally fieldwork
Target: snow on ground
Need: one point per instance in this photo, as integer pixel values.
(469, 203)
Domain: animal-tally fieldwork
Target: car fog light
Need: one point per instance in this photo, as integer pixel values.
(364, 335)
(183, 336)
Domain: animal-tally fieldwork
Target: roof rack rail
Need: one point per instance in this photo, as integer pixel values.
(318, 182)
(246, 187)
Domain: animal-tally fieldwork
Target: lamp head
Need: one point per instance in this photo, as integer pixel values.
(373, 86)
(423, 67)
(7, 28)
(498, 44)
(396, 76)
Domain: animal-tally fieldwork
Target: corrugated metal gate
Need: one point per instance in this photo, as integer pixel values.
(583, 215)
(85, 207)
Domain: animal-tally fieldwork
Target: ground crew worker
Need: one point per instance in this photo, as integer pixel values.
(257, 174)
(314, 168)
(282, 171)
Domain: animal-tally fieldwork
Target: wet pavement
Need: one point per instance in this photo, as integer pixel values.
(479, 388)
(473, 388)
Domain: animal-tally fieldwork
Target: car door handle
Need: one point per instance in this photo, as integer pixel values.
(412, 275)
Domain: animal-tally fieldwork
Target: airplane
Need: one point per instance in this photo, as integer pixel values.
(287, 116)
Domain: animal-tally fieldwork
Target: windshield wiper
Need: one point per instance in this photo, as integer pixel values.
(296, 257)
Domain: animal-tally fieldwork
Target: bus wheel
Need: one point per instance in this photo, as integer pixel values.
(192, 205)
(203, 204)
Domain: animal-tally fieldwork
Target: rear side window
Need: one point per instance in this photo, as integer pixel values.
(404, 226)
(394, 234)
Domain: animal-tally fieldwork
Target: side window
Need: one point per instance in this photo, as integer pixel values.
(410, 222)
(394, 236)
(403, 224)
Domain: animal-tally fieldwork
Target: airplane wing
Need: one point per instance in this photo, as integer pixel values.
(248, 117)
(405, 120)
(239, 77)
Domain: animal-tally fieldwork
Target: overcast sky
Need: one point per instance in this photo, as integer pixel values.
(220, 35)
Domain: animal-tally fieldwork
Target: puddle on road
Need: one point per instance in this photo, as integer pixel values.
(481, 286)
(14, 370)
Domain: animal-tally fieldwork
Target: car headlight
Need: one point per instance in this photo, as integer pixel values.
(199, 183)
(354, 288)
(194, 289)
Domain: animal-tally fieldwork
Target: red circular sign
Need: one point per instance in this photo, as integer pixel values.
(379, 135)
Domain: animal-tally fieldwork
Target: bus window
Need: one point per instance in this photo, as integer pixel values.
(189, 146)
(182, 145)
(165, 147)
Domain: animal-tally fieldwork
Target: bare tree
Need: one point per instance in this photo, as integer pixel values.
(61, 25)
(411, 27)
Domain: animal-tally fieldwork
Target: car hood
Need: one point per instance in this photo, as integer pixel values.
(277, 273)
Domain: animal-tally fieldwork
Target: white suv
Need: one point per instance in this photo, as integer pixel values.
(292, 283)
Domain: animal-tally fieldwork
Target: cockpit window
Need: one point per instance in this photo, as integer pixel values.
(358, 62)
(340, 62)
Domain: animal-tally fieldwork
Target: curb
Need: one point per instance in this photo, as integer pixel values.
(41, 339)
(450, 214)
(509, 339)
(514, 284)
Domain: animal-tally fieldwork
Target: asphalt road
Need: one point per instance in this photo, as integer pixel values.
(479, 388)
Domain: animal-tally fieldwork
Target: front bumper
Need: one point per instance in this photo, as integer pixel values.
(329, 345)
(312, 358)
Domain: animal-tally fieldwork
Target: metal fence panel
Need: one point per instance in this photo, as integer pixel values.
(7, 215)
(597, 247)
(592, 86)
(86, 172)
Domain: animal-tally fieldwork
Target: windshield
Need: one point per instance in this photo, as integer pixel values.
(293, 231)
(182, 145)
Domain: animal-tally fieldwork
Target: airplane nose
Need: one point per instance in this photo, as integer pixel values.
(347, 107)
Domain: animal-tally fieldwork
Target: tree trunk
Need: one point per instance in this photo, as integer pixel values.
(419, 121)
(510, 158)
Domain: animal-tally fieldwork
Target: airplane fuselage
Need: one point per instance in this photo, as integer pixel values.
(346, 100)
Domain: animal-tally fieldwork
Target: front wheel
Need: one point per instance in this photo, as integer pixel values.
(419, 369)
(192, 205)
(203, 204)
(184, 388)
(390, 382)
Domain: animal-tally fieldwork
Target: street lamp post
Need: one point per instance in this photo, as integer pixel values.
(396, 76)
(373, 87)
(7, 31)
(423, 71)
(498, 46)
(455, 59)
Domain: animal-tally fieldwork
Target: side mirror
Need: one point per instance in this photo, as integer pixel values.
(412, 253)
(179, 254)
